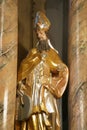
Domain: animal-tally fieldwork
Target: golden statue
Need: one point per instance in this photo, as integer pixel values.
(43, 78)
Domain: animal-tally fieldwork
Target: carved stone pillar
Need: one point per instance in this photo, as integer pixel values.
(78, 65)
(8, 62)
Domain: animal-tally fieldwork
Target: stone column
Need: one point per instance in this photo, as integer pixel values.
(78, 65)
(8, 62)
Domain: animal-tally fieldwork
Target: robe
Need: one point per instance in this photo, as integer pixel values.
(46, 79)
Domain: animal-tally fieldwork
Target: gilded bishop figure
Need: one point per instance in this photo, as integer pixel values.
(42, 78)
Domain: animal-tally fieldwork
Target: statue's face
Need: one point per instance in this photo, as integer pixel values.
(41, 35)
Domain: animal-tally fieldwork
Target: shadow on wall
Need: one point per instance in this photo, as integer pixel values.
(24, 28)
(54, 10)
(22, 53)
(65, 59)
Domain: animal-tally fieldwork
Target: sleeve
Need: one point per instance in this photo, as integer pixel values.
(59, 80)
